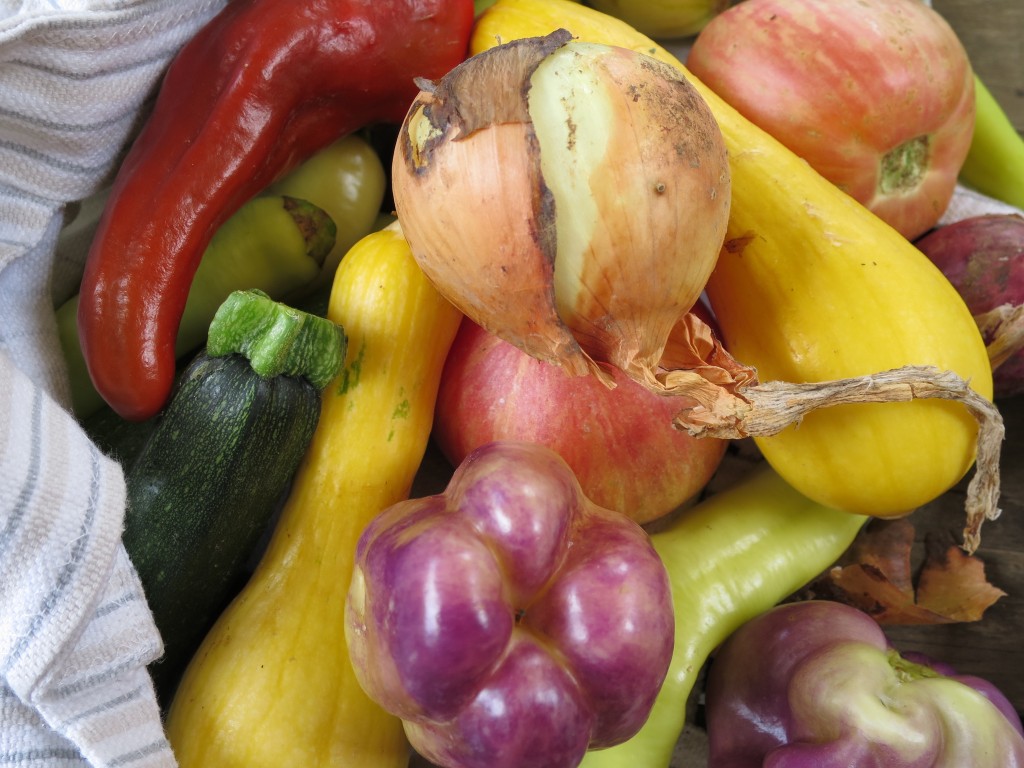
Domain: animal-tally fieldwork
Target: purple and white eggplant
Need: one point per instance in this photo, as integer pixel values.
(816, 684)
(509, 621)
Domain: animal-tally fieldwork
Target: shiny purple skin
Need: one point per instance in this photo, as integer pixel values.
(510, 621)
(983, 257)
(817, 685)
(529, 712)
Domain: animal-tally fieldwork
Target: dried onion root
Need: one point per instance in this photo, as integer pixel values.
(752, 409)
(737, 405)
(1004, 328)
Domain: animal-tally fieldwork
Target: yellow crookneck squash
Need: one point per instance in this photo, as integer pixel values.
(272, 686)
(812, 287)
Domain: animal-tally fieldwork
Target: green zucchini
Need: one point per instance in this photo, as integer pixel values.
(205, 486)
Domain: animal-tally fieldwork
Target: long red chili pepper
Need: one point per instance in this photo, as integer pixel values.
(260, 88)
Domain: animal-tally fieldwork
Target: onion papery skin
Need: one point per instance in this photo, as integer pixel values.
(569, 197)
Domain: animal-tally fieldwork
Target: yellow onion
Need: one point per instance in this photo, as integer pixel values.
(569, 197)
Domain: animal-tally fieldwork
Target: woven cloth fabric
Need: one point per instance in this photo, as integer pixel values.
(967, 203)
(76, 77)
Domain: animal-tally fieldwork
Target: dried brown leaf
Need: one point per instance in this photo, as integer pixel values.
(953, 584)
(876, 575)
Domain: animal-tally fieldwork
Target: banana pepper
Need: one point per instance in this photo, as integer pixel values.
(262, 86)
(346, 179)
(995, 162)
(730, 558)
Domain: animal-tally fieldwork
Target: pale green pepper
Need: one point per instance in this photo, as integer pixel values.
(729, 559)
(995, 161)
(346, 179)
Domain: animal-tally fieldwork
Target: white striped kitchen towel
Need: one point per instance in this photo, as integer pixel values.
(75, 631)
(967, 203)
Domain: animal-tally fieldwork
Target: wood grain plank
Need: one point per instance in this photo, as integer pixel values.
(992, 31)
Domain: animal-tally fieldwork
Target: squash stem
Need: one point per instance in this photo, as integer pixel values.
(278, 340)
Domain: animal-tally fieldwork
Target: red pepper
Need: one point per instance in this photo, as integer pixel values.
(264, 85)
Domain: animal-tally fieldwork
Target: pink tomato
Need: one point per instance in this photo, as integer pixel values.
(876, 95)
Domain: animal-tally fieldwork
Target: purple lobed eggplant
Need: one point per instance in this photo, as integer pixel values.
(816, 684)
(510, 621)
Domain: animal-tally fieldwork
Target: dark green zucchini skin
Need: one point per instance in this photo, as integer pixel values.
(203, 490)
